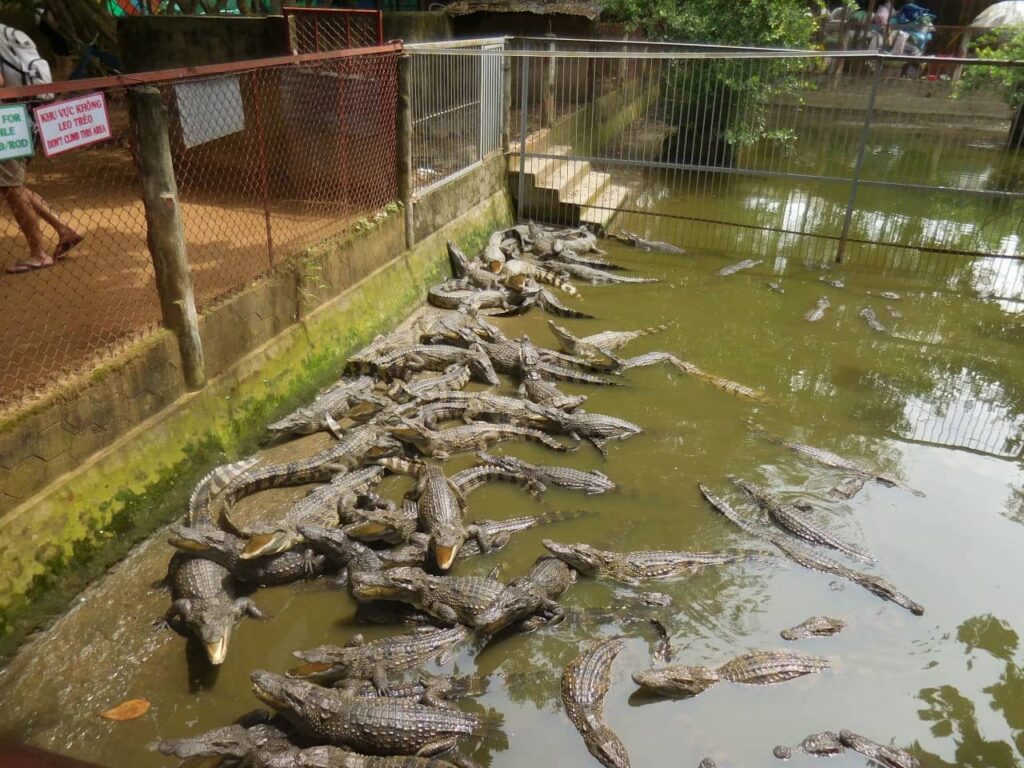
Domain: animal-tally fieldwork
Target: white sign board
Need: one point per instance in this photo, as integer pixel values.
(209, 109)
(67, 125)
(15, 132)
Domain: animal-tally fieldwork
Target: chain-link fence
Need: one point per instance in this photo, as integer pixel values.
(315, 30)
(269, 157)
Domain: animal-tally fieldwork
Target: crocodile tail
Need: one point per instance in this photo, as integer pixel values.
(547, 440)
(504, 462)
(561, 515)
(400, 466)
(542, 275)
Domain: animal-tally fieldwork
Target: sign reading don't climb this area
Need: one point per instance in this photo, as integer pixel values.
(78, 122)
(15, 132)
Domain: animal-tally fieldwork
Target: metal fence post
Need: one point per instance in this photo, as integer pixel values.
(524, 92)
(506, 101)
(860, 160)
(403, 138)
(264, 178)
(164, 233)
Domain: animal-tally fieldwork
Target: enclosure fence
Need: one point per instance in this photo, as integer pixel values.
(270, 157)
(795, 156)
(456, 92)
(315, 30)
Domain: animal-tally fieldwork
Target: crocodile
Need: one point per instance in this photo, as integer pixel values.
(596, 276)
(455, 377)
(445, 327)
(506, 356)
(599, 344)
(550, 303)
(894, 313)
(516, 272)
(463, 268)
(584, 685)
(890, 757)
(872, 320)
(811, 560)
(413, 358)
(835, 461)
(816, 626)
(450, 599)
(331, 405)
(363, 442)
(476, 477)
(440, 507)
(792, 520)
(732, 269)
(886, 295)
(382, 344)
(636, 567)
(321, 507)
(391, 525)
(775, 287)
(534, 387)
(726, 385)
(756, 668)
(598, 428)
(379, 726)
(824, 744)
(375, 660)
(203, 591)
(487, 406)
(496, 532)
(848, 487)
(590, 483)
(225, 549)
(442, 444)
(529, 600)
(818, 312)
(460, 294)
(234, 741)
(631, 238)
(836, 283)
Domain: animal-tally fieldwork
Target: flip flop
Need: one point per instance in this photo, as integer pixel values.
(21, 267)
(63, 247)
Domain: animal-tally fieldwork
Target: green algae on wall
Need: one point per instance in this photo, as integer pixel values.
(63, 540)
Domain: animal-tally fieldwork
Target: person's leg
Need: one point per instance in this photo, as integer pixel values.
(28, 221)
(67, 234)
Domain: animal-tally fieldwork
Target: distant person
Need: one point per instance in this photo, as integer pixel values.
(20, 64)
(882, 14)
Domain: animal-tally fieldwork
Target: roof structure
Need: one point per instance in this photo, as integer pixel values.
(589, 10)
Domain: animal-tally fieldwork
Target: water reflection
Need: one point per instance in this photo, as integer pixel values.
(953, 715)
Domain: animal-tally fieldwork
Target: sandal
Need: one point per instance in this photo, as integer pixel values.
(21, 267)
(66, 245)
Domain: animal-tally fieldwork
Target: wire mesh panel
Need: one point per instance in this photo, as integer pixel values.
(99, 295)
(315, 30)
(457, 108)
(794, 155)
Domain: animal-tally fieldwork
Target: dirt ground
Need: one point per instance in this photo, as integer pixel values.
(102, 295)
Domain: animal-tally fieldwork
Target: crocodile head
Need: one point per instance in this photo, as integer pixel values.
(510, 606)
(332, 542)
(446, 542)
(289, 697)
(271, 542)
(583, 557)
(409, 431)
(383, 447)
(404, 584)
(605, 745)
(385, 525)
(234, 741)
(676, 681)
(480, 364)
(202, 540)
(302, 422)
(211, 620)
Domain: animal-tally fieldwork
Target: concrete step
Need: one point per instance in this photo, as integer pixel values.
(610, 200)
(586, 187)
(563, 176)
(537, 166)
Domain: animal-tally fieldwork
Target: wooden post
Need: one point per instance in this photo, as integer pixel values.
(547, 103)
(403, 137)
(961, 52)
(164, 233)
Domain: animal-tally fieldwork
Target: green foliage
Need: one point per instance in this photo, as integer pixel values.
(1007, 44)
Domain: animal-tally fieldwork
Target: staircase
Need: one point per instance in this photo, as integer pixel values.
(565, 191)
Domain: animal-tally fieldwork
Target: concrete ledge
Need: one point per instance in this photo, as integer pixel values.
(269, 348)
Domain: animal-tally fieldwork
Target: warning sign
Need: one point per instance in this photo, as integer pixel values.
(66, 125)
(15, 132)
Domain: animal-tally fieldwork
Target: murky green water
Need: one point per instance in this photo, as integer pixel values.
(939, 402)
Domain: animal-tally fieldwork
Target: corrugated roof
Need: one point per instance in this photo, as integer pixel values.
(539, 7)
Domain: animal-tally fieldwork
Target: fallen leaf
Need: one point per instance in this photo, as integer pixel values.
(127, 710)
